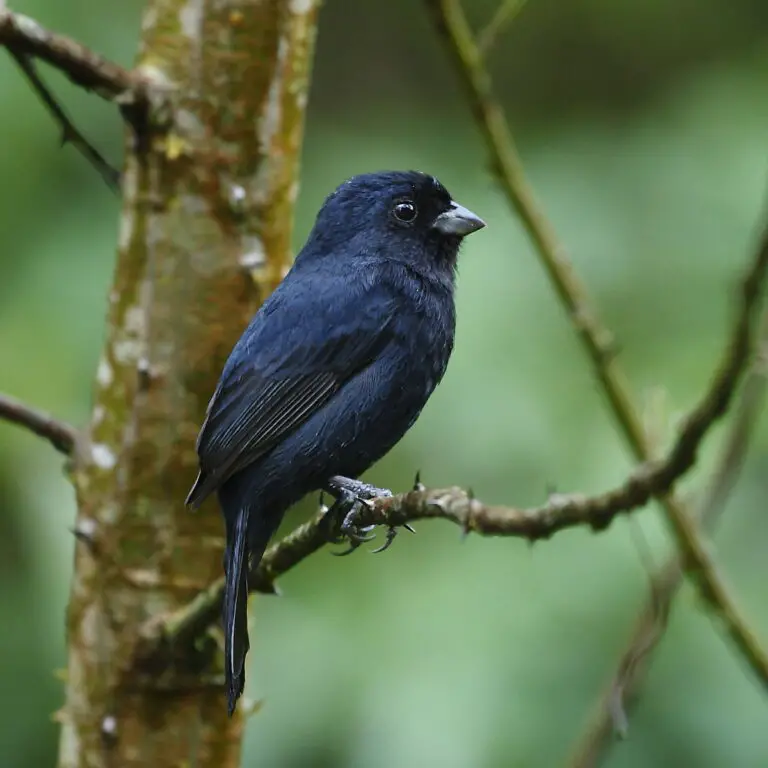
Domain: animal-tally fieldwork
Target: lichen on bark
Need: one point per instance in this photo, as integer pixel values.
(204, 236)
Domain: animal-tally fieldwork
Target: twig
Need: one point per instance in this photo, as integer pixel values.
(69, 132)
(745, 420)
(610, 715)
(452, 24)
(81, 65)
(160, 637)
(26, 41)
(653, 478)
(61, 435)
(597, 340)
(506, 11)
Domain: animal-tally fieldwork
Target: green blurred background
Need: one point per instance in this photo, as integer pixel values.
(643, 125)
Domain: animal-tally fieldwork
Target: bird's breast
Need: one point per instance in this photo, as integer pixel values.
(425, 342)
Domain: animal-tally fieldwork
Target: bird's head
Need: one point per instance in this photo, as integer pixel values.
(399, 215)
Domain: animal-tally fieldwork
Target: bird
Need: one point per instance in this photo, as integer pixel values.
(333, 369)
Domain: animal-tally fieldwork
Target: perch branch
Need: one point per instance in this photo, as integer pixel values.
(82, 66)
(621, 692)
(460, 41)
(652, 478)
(61, 435)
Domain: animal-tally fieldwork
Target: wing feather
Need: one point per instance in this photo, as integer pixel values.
(262, 397)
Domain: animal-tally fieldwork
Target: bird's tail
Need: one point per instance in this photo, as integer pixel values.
(247, 538)
(236, 643)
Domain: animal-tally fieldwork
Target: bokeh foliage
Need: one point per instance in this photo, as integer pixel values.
(643, 127)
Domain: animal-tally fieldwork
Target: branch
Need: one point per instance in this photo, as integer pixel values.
(610, 716)
(455, 32)
(26, 41)
(61, 435)
(654, 478)
(506, 11)
(161, 636)
(69, 132)
(460, 41)
(82, 66)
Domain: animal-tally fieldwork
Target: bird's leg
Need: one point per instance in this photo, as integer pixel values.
(350, 496)
(353, 494)
(360, 490)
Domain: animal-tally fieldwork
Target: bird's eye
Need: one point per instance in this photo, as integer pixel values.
(405, 211)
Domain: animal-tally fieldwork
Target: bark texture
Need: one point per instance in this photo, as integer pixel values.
(204, 236)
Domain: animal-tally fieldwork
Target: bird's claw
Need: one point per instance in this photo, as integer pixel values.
(352, 547)
(349, 504)
(351, 532)
(351, 496)
(391, 533)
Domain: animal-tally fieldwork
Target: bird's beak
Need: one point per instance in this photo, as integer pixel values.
(457, 220)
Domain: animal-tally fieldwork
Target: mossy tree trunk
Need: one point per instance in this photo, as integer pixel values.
(204, 236)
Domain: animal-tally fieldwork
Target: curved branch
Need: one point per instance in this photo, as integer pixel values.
(62, 436)
(81, 65)
(461, 44)
(610, 715)
(653, 478)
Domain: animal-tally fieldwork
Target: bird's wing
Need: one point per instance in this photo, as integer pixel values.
(283, 370)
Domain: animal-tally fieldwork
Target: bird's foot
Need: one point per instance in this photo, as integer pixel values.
(346, 511)
(363, 492)
(351, 496)
(392, 531)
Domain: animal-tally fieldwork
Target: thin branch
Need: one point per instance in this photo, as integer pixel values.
(653, 478)
(455, 31)
(506, 11)
(81, 65)
(745, 420)
(26, 40)
(61, 435)
(69, 132)
(161, 636)
(621, 693)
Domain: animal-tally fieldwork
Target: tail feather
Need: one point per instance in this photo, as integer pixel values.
(236, 643)
(247, 538)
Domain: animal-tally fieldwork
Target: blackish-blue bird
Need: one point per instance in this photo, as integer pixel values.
(333, 369)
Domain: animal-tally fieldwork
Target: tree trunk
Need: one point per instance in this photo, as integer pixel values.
(204, 236)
